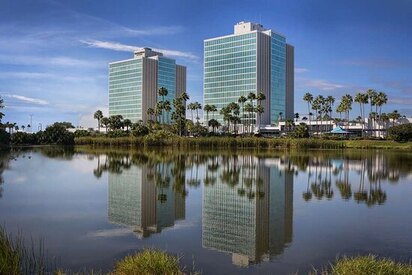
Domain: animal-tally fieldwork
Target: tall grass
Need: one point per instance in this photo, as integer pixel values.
(212, 142)
(16, 258)
(365, 265)
(149, 261)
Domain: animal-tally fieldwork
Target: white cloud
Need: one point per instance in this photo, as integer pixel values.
(301, 70)
(43, 75)
(62, 61)
(108, 233)
(26, 99)
(320, 84)
(129, 48)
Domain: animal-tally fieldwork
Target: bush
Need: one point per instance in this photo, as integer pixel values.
(158, 138)
(4, 137)
(301, 131)
(140, 130)
(117, 133)
(55, 134)
(368, 265)
(21, 138)
(148, 262)
(401, 133)
(81, 133)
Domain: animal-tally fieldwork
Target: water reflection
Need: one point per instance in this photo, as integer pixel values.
(247, 198)
(359, 179)
(248, 211)
(143, 195)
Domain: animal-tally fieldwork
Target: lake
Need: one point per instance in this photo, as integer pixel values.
(223, 212)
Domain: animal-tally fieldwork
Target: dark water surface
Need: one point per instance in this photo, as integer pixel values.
(225, 212)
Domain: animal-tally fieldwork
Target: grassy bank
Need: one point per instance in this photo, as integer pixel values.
(17, 258)
(241, 142)
(365, 265)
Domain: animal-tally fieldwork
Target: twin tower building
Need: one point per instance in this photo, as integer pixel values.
(252, 60)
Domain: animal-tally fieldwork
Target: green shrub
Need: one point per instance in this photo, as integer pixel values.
(401, 133)
(140, 130)
(161, 137)
(81, 133)
(21, 138)
(117, 134)
(148, 262)
(9, 256)
(368, 265)
(4, 137)
(55, 134)
(301, 131)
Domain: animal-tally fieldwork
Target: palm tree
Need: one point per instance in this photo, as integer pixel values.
(394, 116)
(22, 127)
(260, 97)
(251, 97)
(214, 124)
(163, 92)
(150, 112)
(207, 108)
(184, 96)
(259, 110)
(167, 108)
(98, 115)
(159, 111)
(127, 123)
(330, 100)
(308, 97)
(347, 105)
(372, 97)
(360, 98)
(191, 107)
(226, 113)
(381, 99)
(297, 116)
(242, 101)
(280, 116)
(197, 107)
(105, 122)
(248, 108)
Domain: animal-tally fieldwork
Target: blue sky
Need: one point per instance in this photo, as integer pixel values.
(54, 55)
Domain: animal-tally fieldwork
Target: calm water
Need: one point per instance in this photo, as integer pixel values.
(227, 212)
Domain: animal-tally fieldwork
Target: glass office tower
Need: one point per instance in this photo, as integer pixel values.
(252, 60)
(134, 84)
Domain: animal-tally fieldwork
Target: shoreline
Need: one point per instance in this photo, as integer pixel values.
(241, 143)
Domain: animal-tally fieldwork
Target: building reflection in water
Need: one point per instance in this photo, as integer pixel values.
(248, 211)
(142, 197)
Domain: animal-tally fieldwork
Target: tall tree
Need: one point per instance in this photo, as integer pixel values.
(197, 107)
(98, 115)
(167, 108)
(105, 122)
(308, 97)
(260, 109)
(242, 101)
(127, 123)
(150, 112)
(207, 108)
(252, 97)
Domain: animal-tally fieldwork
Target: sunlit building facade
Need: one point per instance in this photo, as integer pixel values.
(252, 60)
(134, 84)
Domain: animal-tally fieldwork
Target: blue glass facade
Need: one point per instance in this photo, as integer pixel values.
(167, 79)
(232, 64)
(229, 69)
(125, 89)
(278, 77)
